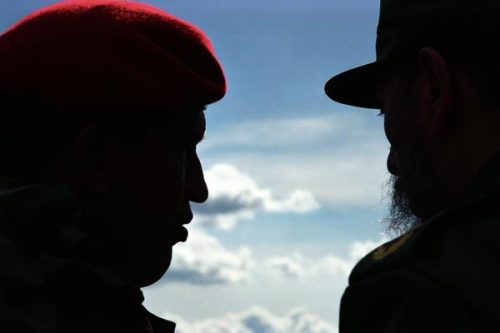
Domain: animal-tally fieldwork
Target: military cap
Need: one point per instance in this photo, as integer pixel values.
(464, 31)
(105, 55)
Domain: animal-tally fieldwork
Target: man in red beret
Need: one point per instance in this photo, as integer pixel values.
(102, 108)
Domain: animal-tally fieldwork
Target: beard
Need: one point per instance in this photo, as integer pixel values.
(411, 189)
(400, 217)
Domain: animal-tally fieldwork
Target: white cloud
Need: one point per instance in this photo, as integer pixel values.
(294, 266)
(236, 196)
(360, 249)
(299, 266)
(340, 158)
(204, 260)
(257, 320)
(336, 177)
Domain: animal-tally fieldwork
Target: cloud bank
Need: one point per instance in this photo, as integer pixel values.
(205, 261)
(235, 196)
(297, 266)
(257, 320)
(339, 157)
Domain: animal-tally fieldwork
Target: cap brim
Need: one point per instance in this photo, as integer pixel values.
(356, 86)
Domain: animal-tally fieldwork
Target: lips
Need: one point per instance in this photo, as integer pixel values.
(168, 234)
(180, 234)
(173, 230)
(188, 216)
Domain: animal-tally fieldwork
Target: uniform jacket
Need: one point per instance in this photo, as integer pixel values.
(443, 276)
(51, 278)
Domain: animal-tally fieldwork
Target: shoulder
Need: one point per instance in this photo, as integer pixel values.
(467, 232)
(401, 301)
(445, 269)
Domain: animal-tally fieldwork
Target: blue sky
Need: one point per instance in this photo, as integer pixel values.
(295, 179)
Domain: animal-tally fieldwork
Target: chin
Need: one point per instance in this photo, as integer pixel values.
(144, 268)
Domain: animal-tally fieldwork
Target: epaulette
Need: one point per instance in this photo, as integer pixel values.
(386, 256)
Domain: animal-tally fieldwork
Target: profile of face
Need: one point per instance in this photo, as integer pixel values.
(145, 193)
(411, 160)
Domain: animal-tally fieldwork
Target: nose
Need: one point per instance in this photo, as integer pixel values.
(196, 187)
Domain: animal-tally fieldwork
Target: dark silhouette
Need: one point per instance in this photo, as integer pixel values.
(435, 81)
(102, 108)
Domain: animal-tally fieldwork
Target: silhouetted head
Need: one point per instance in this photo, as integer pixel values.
(434, 82)
(109, 96)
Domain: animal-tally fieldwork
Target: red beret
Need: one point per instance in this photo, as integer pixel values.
(109, 55)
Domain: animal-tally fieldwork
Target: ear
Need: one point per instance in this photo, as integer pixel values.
(90, 155)
(436, 90)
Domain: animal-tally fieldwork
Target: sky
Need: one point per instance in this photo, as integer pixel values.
(296, 181)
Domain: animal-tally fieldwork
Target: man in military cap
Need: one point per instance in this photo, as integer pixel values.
(102, 108)
(435, 82)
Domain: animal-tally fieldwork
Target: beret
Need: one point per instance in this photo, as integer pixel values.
(98, 55)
